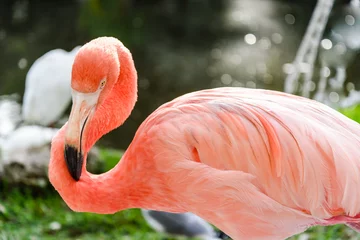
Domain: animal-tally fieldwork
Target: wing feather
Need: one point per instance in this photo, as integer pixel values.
(301, 153)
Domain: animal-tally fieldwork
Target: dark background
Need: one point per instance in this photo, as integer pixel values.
(178, 46)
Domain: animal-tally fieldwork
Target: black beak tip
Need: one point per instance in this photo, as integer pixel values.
(74, 161)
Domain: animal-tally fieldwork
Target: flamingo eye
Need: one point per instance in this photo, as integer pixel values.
(102, 84)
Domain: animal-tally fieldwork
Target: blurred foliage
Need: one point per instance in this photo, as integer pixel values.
(112, 157)
(352, 112)
(335, 232)
(110, 18)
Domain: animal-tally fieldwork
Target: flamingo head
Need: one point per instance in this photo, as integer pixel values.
(95, 71)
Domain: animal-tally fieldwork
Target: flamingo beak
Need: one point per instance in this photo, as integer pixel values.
(82, 109)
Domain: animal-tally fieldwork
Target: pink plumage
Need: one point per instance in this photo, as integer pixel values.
(258, 164)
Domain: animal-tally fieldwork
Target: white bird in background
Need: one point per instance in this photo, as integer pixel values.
(10, 115)
(180, 224)
(29, 147)
(42, 105)
(10, 118)
(47, 95)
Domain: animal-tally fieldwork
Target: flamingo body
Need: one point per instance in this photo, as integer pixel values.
(269, 145)
(258, 164)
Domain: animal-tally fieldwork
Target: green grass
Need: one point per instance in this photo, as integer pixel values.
(112, 157)
(39, 213)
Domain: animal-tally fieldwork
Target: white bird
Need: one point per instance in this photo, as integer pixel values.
(50, 71)
(10, 115)
(47, 95)
(179, 224)
(29, 147)
(25, 154)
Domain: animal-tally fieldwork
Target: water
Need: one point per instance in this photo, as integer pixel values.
(178, 46)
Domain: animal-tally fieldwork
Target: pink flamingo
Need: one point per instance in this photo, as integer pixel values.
(258, 164)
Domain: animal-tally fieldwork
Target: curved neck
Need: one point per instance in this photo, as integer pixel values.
(132, 183)
(117, 106)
